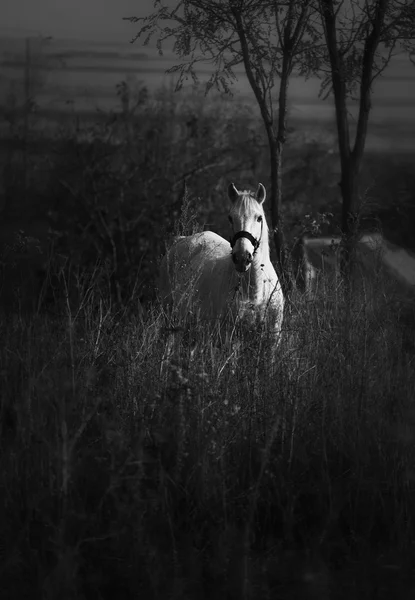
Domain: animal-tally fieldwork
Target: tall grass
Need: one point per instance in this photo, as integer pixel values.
(220, 476)
(215, 480)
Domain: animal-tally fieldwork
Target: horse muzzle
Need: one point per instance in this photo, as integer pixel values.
(242, 260)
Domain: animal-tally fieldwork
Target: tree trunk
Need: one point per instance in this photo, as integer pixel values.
(275, 199)
(276, 145)
(351, 170)
(348, 183)
(349, 224)
(351, 160)
(283, 263)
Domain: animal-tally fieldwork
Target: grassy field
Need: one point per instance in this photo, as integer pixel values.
(220, 477)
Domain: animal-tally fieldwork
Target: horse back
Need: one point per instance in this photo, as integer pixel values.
(189, 267)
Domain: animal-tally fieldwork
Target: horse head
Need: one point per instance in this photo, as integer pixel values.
(249, 228)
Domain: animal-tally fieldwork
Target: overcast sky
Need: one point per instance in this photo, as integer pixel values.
(99, 20)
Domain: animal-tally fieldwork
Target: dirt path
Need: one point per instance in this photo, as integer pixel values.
(400, 263)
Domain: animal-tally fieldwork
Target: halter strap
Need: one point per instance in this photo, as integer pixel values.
(248, 236)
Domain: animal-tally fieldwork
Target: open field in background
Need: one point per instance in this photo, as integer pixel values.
(82, 76)
(223, 478)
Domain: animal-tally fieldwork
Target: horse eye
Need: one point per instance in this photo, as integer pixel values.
(230, 219)
(259, 219)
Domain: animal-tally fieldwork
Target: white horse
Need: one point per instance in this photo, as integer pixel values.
(205, 276)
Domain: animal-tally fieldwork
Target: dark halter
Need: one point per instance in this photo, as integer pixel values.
(248, 236)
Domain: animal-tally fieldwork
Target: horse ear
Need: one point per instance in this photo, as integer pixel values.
(232, 192)
(261, 193)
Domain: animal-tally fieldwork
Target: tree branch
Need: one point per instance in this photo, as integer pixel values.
(249, 71)
(338, 77)
(371, 44)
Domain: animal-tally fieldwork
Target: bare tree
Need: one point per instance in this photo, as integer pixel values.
(270, 39)
(361, 38)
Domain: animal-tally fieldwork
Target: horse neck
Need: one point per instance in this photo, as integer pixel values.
(262, 254)
(255, 276)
